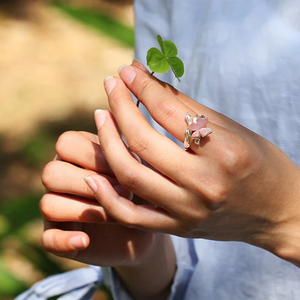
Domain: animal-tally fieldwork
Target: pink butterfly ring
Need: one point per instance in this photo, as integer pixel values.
(196, 129)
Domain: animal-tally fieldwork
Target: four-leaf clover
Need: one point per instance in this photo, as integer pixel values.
(160, 61)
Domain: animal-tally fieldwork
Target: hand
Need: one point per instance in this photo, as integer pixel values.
(77, 227)
(234, 186)
(79, 155)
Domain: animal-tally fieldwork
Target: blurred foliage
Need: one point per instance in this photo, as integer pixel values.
(16, 214)
(9, 284)
(98, 21)
(38, 148)
(20, 209)
(18, 9)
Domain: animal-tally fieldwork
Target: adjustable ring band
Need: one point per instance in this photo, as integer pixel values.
(196, 129)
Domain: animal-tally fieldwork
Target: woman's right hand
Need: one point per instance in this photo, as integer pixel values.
(77, 227)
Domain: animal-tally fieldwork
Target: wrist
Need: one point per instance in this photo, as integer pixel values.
(283, 237)
(284, 242)
(151, 277)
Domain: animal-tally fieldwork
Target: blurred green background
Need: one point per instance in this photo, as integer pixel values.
(54, 57)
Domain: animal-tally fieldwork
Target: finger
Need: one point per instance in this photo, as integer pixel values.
(82, 149)
(62, 177)
(90, 136)
(65, 208)
(129, 214)
(153, 147)
(139, 65)
(64, 243)
(141, 180)
(214, 116)
(164, 107)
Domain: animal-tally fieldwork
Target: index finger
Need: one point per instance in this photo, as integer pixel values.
(153, 147)
(161, 102)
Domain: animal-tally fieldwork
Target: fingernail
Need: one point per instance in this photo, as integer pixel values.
(99, 118)
(127, 73)
(109, 84)
(140, 65)
(78, 242)
(91, 184)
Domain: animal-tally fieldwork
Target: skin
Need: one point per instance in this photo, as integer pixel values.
(235, 186)
(77, 227)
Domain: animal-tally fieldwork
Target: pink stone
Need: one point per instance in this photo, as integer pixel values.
(196, 134)
(205, 131)
(201, 123)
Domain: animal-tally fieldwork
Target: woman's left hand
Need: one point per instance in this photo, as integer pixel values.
(234, 186)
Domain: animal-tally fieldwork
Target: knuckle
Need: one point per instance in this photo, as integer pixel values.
(213, 191)
(128, 179)
(48, 174)
(166, 110)
(238, 157)
(45, 208)
(145, 87)
(140, 143)
(216, 193)
(64, 142)
(116, 102)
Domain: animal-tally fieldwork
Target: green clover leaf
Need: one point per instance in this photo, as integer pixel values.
(161, 61)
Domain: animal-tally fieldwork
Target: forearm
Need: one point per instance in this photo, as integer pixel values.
(153, 276)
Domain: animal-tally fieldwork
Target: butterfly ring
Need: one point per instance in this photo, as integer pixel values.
(196, 129)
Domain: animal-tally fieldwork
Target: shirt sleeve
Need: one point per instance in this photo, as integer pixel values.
(186, 260)
(79, 284)
(112, 281)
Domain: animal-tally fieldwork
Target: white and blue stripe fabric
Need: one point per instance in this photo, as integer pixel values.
(77, 284)
(82, 283)
(242, 58)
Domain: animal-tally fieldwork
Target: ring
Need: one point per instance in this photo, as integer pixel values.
(196, 129)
